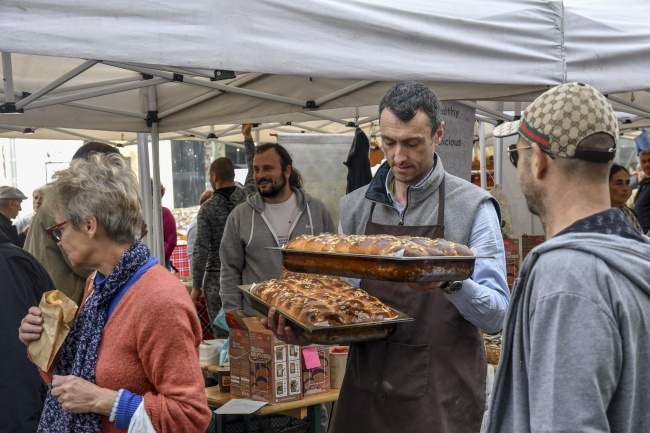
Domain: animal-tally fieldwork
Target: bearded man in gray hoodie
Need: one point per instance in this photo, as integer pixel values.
(576, 342)
(280, 210)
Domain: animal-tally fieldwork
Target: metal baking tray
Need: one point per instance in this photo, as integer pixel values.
(331, 334)
(385, 268)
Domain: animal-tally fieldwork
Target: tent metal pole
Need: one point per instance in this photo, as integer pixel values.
(494, 113)
(308, 128)
(237, 145)
(8, 78)
(145, 188)
(485, 119)
(498, 151)
(332, 96)
(92, 107)
(188, 104)
(194, 133)
(97, 92)
(212, 85)
(184, 71)
(227, 130)
(96, 85)
(56, 83)
(325, 116)
(106, 110)
(629, 104)
(368, 120)
(12, 128)
(481, 141)
(235, 83)
(75, 134)
(156, 216)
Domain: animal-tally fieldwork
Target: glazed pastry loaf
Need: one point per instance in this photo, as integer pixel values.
(379, 245)
(320, 300)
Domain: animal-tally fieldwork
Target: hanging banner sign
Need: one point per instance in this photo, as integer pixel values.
(455, 149)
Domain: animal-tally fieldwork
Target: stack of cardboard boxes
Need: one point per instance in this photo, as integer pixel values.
(528, 242)
(267, 369)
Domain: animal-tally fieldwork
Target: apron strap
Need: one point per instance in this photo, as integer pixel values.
(441, 202)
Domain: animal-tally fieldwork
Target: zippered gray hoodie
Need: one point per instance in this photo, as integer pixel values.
(576, 343)
(244, 256)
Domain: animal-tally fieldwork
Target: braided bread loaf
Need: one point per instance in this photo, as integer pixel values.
(379, 245)
(322, 301)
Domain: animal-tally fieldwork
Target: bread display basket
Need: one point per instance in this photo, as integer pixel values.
(331, 334)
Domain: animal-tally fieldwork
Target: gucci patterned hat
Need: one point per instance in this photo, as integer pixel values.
(560, 118)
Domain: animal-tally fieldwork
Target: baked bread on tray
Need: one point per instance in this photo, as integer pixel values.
(379, 245)
(320, 300)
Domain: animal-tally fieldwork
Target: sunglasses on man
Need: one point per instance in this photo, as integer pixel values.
(514, 155)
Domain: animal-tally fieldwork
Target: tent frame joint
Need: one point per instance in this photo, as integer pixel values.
(311, 105)
(152, 117)
(10, 108)
(220, 74)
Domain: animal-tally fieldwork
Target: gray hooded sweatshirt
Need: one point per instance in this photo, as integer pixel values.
(244, 256)
(576, 343)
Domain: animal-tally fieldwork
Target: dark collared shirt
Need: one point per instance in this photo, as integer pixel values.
(11, 231)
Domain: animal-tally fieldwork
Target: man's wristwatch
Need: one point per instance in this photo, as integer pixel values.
(452, 287)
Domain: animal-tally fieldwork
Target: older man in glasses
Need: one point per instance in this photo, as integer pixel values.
(576, 340)
(10, 204)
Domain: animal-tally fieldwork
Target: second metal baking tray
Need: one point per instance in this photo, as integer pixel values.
(328, 335)
(385, 268)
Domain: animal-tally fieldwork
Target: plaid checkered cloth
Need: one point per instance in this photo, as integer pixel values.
(180, 262)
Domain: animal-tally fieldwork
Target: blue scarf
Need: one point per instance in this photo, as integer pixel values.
(79, 353)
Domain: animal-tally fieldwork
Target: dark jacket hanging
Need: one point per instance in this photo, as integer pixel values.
(358, 162)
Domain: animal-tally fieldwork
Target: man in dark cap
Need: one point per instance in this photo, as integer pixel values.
(10, 200)
(67, 278)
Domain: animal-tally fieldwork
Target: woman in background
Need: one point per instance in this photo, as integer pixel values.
(619, 191)
(120, 354)
(170, 236)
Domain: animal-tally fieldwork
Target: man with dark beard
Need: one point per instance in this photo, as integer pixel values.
(576, 341)
(279, 211)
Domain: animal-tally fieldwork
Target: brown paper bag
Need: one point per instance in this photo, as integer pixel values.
(58, 312)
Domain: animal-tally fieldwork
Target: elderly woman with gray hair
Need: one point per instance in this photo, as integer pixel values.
(135, 341)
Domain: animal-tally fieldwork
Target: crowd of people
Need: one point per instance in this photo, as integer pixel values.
(575, 328)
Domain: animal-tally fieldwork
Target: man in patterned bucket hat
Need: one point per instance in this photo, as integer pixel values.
(576, 341)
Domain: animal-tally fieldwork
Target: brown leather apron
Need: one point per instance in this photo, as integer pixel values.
(429, 375)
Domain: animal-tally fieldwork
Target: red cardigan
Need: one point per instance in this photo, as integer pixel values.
(150, 347)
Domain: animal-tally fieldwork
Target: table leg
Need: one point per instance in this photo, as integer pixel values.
(315, 417)
(220, 423)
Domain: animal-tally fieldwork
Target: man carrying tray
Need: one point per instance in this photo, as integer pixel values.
(430, 374)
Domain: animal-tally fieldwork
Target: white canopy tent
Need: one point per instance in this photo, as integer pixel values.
(166, 67)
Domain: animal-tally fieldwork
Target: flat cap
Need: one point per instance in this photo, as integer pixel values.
(11, 193)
